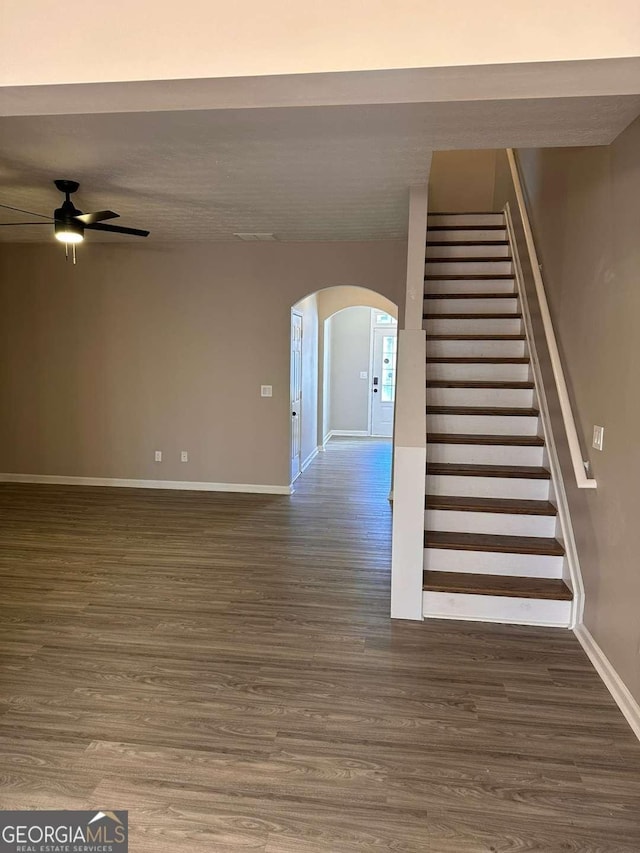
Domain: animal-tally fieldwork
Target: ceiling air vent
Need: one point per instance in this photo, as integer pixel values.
(263, 237)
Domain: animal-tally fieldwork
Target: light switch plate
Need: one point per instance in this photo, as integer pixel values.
(598, 437)
(266, 390)
(363, 374)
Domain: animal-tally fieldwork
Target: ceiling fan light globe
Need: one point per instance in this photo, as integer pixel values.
(68, 231)
(69, 237)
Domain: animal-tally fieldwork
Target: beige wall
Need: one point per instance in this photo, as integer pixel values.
(139, 348)
(585, 209)
(462, 181)
(336, 298)
(87, 42)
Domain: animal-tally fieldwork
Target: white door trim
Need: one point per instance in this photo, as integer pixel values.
(295, 313)
(370, 374)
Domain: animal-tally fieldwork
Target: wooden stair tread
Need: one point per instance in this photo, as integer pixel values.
(465, 213)
(499, 242)
(497, 411)
(462, 383)
(466, 227)
(512, 295)
(462, 259)
(471, 277)
(472, 438)
(476, 360)
(493, 542)
(549, 589)
(512, 472)
(509, 506)
(476, 337)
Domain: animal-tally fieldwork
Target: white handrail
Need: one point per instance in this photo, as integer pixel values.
(582, 481)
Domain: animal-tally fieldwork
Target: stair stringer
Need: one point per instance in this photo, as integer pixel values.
(572, 574)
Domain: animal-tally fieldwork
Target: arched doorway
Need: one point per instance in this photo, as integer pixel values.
(342, 369)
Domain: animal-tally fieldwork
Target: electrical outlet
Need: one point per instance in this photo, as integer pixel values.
(158, 456)
(266, 390)
(598, 437)
(184, 456)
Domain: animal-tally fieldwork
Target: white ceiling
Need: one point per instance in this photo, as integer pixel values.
(307, 173)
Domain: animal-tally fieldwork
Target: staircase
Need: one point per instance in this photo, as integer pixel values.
(491, 547)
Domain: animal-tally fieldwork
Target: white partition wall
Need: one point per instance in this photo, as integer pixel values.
(410, 459)
(410, 453)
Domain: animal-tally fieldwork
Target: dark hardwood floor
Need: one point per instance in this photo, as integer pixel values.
(223, 666)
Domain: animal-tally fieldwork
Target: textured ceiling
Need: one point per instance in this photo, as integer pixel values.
(312, 173)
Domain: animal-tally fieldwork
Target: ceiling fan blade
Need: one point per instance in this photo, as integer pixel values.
(4, 224)
(29, 212)
(99, 216)
(117, 229)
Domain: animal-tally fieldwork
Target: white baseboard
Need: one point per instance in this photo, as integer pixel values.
(615, 685)
(354, 432)
(178, 485)
(309, 459)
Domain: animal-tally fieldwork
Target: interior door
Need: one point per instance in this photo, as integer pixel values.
(296, 393)
(383, 381)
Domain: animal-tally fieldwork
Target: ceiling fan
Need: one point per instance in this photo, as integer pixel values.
(69, 223)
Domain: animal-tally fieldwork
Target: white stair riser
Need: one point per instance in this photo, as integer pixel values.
(475, 326)
(507, 524)
(489, 608)
(458, 219)
(476, 349)
(496, 285)
(493, 563)
(508, 305)
(484, 454)
(446, 235)
(465, 251)
(478, 372)
(436, 268)
(487, 487)
(483, 424)
(515, 397)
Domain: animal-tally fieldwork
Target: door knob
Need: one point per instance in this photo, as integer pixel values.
(375, 390)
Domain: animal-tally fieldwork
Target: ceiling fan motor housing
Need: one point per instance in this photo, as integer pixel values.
(64, 221)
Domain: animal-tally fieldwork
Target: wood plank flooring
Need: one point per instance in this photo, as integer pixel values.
(223, 666)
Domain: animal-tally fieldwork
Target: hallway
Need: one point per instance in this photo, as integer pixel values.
(223, 666)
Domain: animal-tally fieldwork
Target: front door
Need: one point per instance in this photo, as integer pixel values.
(383, 379)
(296, 393)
